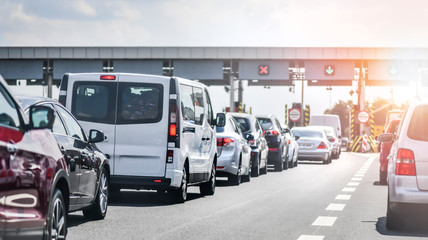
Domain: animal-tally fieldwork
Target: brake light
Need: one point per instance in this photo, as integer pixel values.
(322, 145)
(274, 132)
(107, 77)
(158, 181)
(224, 142)
(252, 143)
(289, 142)
(405, 163)
(273, 149)
(169, 156)
(173, 130)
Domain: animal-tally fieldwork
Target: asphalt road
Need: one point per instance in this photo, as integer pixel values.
(342, 200)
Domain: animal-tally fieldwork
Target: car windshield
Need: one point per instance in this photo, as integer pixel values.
(307, 133)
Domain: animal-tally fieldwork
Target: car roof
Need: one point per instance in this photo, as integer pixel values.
(27, 101)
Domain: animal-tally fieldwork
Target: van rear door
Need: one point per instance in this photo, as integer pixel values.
(141, 126)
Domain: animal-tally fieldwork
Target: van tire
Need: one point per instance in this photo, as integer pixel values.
(179, 195)
(208, 188)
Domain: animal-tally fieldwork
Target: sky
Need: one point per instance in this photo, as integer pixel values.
(232, 23)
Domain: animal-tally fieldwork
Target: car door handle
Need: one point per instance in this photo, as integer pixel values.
(189, 129)
(206, 139)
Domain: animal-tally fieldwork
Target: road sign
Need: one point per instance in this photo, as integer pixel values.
(363, 116)
(263, 69)
(329, 70)
(295, 114)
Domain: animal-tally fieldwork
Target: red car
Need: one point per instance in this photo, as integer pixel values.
(385, 148)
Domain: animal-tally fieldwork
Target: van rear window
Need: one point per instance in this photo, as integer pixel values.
(139, 103)
(418, 128)
(94, 101)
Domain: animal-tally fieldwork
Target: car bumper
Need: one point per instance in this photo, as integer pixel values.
(227, 164)
(404, 189)
(315, 155)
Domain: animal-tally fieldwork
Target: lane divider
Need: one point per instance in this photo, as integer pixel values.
(328, 221)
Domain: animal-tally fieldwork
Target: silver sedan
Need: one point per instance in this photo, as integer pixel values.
(313, 144)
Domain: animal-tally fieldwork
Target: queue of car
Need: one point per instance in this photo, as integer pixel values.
(129, 131)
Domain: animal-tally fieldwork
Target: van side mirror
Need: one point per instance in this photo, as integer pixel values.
(386, 138)
(285, 130)
(41, 117)
(96, 136)
(220, 120)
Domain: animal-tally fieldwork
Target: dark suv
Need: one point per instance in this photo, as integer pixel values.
(277, 142)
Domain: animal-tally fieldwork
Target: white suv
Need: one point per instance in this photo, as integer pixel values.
(160, 130)
(408, 166)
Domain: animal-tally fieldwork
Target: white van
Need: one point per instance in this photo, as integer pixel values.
(160, 130)
(327, 120)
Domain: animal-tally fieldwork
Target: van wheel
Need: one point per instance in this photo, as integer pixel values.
(179, 195)
(392, 219)
(208, 188)
(57, 217)
(98, 209)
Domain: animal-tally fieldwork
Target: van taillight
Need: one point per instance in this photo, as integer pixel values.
(322, 145)
(173, 126)
(405, 163)
(107, 77)
(170, 156)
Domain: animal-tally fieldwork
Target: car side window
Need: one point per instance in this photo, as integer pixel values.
(58, 125)
(209, 108)
(74, 129)
(198, 102)
(9, 115)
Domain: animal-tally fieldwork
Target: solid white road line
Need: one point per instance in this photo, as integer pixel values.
(324, 221)
(311, 237)
(343, 197)
(335, 207)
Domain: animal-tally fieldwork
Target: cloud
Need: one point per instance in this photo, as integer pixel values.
(82, 7)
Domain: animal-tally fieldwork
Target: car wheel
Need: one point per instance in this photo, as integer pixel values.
(392, 219)
(382, 177)
(180, 194)
(279, 163)
(57, 217)
(208, 188)
(98, 209)
(247, 178)
(236, 179)
(264, 170)
(255, 172)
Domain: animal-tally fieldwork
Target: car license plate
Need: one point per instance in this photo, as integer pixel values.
(305, 145)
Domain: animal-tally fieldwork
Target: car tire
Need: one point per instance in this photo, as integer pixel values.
(208, 188)
(264, 170)
(279, 164)
(179, 195)
(255, 172)
(98, 209)
(392, 218)
(56, 222)
(382, 177)
(247, 178)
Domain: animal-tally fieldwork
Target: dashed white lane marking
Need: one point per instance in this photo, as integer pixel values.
(359, 175)
(335, 207)
(348, 189)
(324, 221)
(311, 237)
(353, 183)
(356, 179)
(361, 172)
(343, 197)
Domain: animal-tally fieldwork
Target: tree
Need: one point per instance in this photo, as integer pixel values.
(341, 109)
(381, 107)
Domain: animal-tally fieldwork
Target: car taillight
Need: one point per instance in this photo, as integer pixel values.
(274, 133)
(405, 163)
(273, 149)
(289, 142)
(224, 142)
(332, 140)
(252, 143)
(322, 145)
(169, 156)
(107, 77)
